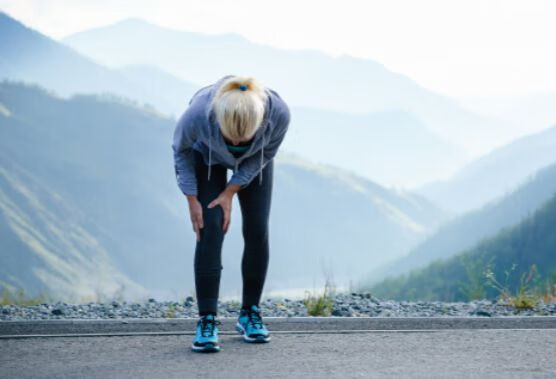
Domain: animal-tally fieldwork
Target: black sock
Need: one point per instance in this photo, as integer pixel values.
(201, 314)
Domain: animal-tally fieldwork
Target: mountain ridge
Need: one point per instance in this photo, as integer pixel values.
(464, 231)
(372, 87)
(486, 178)
(85, 149)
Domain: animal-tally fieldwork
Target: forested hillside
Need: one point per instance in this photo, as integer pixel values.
(465, 231)
(461, 278)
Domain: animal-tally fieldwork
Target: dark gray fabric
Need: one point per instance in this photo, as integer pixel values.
(255, 204)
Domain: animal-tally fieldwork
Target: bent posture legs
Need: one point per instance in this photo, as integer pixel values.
(208, 250)
(255, 201)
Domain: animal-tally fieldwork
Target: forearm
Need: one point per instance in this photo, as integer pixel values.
(233, 188)
(230, 189)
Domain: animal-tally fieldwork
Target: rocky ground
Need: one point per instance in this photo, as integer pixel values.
(347, 305)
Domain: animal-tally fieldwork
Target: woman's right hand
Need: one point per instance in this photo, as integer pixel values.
(196, 213)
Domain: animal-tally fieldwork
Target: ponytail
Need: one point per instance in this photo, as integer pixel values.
(239, 105)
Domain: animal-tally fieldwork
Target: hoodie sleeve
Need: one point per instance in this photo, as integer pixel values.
(184, 137)
(249, 168)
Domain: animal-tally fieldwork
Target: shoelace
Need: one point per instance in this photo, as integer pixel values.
(255, 319)
(207, 326)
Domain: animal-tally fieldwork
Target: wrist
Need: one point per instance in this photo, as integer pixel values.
(232, 188)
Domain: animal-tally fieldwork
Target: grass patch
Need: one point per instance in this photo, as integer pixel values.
(20, 298)
(524, 297)
(170, 312)
(320, 304)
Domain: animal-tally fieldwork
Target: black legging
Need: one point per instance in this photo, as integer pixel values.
(255, 201)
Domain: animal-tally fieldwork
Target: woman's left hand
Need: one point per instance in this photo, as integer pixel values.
(225, 201)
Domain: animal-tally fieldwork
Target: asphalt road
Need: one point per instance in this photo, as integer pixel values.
(339, 352)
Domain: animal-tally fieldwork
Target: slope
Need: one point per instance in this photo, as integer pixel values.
(112, 161)
(344, 84)
(28, 55)
(494, 174)
(466, 230)
(531, 242)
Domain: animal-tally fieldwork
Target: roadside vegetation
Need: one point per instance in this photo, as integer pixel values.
(321, 304)
(20, 298)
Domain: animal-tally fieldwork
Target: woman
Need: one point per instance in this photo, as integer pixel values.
(238, 124)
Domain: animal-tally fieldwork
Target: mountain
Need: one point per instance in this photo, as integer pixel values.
(307, 78)
(340, 221)
(102, 157)
(157, 87)
(398, 148)
(465, 231)
(460, 278)
(528, 112)
(109, 165)
(390, 146)
(28, 55)
(49, 246)
(494, 174)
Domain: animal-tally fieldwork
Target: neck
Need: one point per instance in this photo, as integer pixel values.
(228, 141)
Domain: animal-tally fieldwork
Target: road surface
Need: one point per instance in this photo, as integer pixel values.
(342, 347)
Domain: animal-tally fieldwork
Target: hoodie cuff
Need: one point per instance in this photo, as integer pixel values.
(235, 179)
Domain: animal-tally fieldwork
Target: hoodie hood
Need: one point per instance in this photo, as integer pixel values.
(198, 129)
(214, 127)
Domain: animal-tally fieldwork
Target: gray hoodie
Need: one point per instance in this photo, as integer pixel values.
(198, 129)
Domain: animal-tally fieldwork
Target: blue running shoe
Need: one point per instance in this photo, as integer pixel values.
(250, 325)
(206, 338)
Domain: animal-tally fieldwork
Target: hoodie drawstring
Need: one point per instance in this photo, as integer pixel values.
(236, 165)
(210, 151)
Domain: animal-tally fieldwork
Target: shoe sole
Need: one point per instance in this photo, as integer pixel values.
(209, 347)
(246, 338)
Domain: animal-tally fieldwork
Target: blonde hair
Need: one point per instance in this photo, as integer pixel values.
(239, 106)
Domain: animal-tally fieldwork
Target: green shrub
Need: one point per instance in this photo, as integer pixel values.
(320, 304)
(20, 298)
(524, 298)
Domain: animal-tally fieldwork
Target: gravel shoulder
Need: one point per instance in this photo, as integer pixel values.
(344, 305)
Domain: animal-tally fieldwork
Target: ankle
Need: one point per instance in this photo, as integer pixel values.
(248, 307)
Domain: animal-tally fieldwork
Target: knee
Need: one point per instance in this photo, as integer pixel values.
(213, 219)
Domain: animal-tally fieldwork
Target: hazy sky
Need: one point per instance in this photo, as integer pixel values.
(459, 48)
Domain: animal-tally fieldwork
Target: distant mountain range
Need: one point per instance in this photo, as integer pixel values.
(388, 146)
(88, 200)
(102, 170)
(394, 146)
(496, 173)
(465, 231)
(306, 78)
(28, 55)
(462, 277)
(528, 113)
